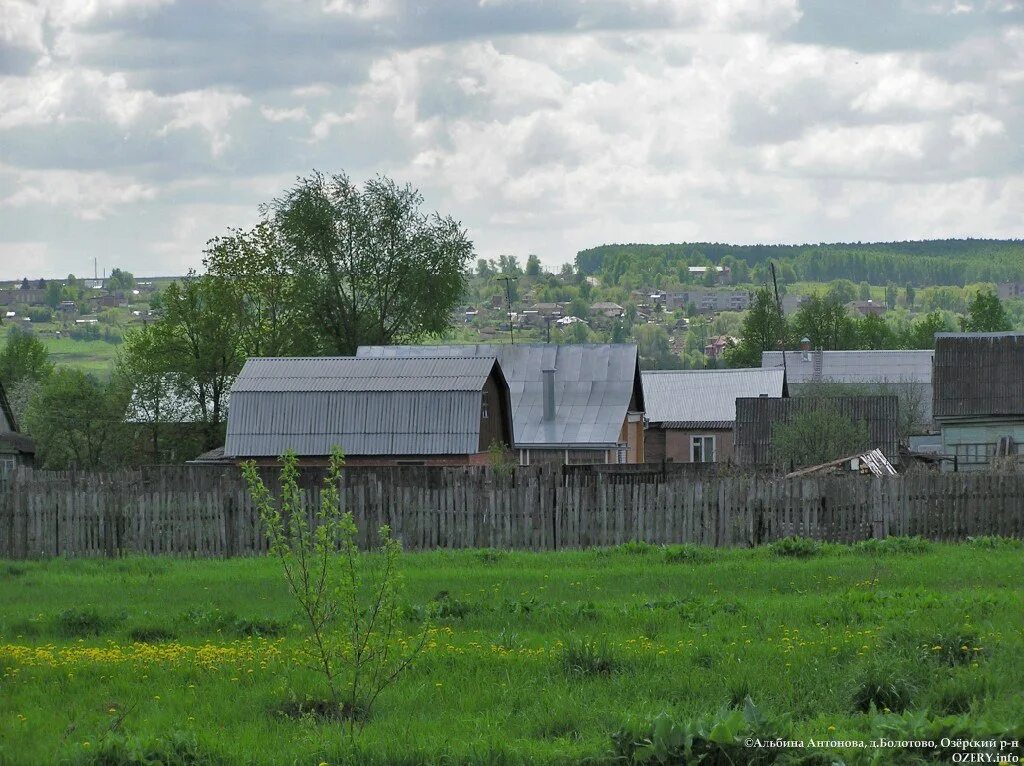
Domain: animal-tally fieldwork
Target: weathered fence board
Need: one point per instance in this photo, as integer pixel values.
(206, 511)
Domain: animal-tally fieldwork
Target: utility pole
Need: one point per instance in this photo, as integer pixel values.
(778, 305)
(508, 302)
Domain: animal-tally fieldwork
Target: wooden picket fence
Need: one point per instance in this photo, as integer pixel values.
(207, 511)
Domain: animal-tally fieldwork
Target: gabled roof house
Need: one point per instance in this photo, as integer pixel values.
(904, 373)
(570, 403)
(431, 410)
(691, 414)
(979, 397)
(15, 447)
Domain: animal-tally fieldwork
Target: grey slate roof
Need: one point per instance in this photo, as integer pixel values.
(427, 406)
(686, 398)
(899, 368)
(979, 374)
(594, 384)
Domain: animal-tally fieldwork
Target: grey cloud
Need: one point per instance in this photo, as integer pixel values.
(882, 25)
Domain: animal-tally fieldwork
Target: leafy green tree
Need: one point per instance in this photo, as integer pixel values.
(195, 345)
(922, 331)
(764, 329)
(710, 278)
(890, 296)
(532, 266)
(909, 296)
(24, 356)
(653, 347)
(77, 421)
(826, 322)
(575, 333)
(864, 291)
(841, 291)
(370, 266)
(24, 367)
(350, 602)
(986, 314)
(508, 266)
(817, 436)
(485, 269)
(873, 332)
(120, 281)
(255, 269)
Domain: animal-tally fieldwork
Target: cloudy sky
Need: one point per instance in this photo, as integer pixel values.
(135, 130)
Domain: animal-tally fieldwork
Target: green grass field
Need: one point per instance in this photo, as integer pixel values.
(194, 659)
(94, 356)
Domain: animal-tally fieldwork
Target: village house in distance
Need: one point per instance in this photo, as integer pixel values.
(16, 449)
(380, 411)
(692, 413)
(979, 398)
(571, 404)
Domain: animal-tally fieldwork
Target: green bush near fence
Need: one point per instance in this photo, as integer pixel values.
(635, 654)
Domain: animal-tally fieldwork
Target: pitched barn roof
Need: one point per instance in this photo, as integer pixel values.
(756, 417)
(871, 366)
(428, 406)
(979, 374)
(594, 385)
(693, 398)
(907, 370)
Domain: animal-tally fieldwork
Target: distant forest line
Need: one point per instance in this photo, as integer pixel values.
(918, 263)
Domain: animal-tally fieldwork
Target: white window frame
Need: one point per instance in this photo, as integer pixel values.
(703, 444)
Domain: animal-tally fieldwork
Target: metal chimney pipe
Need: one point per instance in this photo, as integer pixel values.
(549, 394)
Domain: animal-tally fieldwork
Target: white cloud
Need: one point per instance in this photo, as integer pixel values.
(544, 126)
(89, 196)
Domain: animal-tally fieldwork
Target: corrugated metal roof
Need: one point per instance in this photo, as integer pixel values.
(593, 387)
(908, 370)
(425, 406)
(855, 366)
(695, 396)
(435, 373)
(979, 374)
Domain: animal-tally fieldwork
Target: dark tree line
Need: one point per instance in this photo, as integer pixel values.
(934, 262)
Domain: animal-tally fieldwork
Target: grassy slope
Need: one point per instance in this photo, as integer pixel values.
(797, 635)
(95, 356)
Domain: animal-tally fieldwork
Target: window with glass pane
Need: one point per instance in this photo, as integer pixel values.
(703, 449)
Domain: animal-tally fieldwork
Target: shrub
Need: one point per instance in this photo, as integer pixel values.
(253, 626)
(115, 749)
(995, 542)
(957, 694)
(151, 634)
(635, 548)
(351, 602)
(685, 554)
(795, 547)
(720, 739)
(892, 546)
(208, 619)
(13, 570)
(585, 656)
(445, 607)
(79, 623)
(490, 555)
(945, 736)
(885, 686)
(952, 648)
